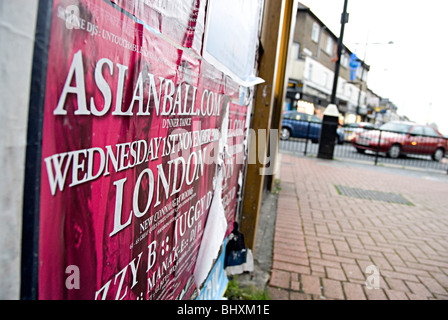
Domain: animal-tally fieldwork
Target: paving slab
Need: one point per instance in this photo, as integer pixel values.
(350, 231)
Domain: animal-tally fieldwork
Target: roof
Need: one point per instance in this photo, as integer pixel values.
(302, 7)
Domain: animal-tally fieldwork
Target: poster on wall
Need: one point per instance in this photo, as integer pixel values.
(143, 151)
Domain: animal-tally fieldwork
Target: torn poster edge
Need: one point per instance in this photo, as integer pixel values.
(249, 81)
(216, 225)
(213, 237)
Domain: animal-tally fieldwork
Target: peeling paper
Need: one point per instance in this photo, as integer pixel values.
(247, 130)
(213, 237)
(240, 180)
(248, 81)
(223, 143)
(216, 226)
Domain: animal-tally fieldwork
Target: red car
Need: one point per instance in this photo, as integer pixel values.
(399, 138)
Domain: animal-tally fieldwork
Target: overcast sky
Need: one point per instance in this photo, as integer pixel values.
(413, 71)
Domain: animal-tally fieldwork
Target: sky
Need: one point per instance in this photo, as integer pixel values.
(413, 71)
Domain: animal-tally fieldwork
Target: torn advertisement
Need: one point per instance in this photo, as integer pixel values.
(216, 226)
(214, 233)
(130, 132)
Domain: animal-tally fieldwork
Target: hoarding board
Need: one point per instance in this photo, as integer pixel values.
(143, 151)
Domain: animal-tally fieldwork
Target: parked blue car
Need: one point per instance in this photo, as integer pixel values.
(301, 125)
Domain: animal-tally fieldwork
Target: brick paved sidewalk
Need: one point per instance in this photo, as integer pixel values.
(324, 241)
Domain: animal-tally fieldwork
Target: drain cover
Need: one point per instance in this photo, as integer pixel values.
(372, 195)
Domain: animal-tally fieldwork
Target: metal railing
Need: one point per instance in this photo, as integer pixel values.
(379, 147)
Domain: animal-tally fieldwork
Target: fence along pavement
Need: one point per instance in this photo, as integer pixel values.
(419, 146)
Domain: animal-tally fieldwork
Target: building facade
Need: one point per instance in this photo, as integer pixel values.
(311, 71)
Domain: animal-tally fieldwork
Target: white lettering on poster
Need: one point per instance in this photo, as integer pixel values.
(168, 95)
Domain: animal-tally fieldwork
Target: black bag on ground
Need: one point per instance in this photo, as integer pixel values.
(236, 251)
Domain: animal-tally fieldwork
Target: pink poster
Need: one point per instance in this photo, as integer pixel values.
(132, 129)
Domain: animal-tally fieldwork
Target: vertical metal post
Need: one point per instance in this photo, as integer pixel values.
(307, 137)
(344, 20)
(378, 147)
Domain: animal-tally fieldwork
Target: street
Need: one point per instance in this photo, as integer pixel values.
(347, 151)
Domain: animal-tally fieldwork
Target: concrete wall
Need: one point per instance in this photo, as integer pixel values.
(17, 29)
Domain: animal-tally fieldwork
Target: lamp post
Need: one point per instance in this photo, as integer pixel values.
(363, 67)
(331, 114)
(344, 20)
